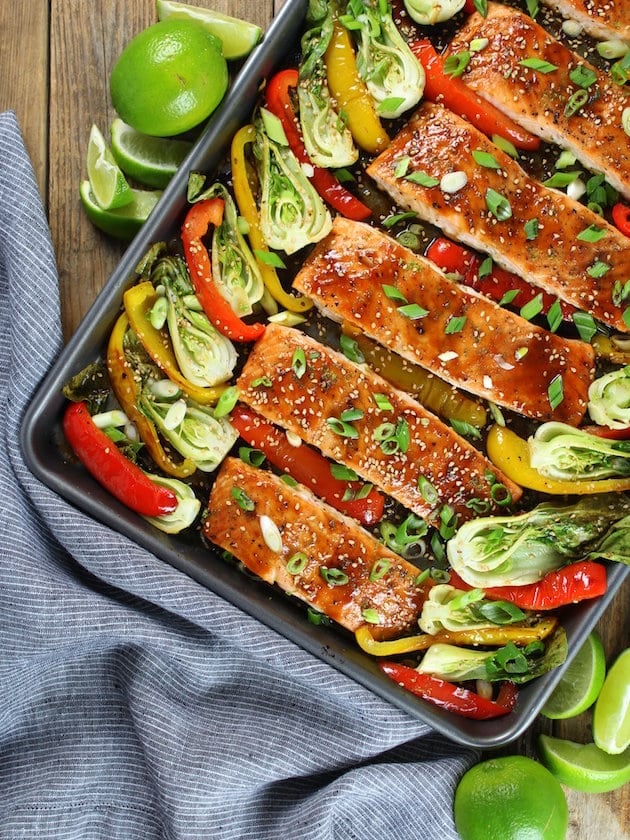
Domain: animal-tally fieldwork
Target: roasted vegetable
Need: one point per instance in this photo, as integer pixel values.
(327, 138)
(107, 464)
(351, 94)
(429, 12)
(510, 454)
(205, 356)
(520, 664)
(516, 550)
(198, 220)
(190, 428)
(234, 267)
(187, 510)
(392, 73)
(292, 214)
(449, 696)
(609, 399)
(448, 608)
(562, 452)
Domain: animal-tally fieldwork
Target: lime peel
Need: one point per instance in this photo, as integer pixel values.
(584, 766)
(151, 161)
(237, 36)
(611, 718)
(581, 682)
(122, 222)
(109, 185)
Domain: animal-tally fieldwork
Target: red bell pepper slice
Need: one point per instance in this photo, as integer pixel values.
(454, 258)
(449, 696)
(107, 464)
(610, 434)
(278, 101)
(573, 583)
(621, 217)
(461, 99)
(307, 466)
(198, 219)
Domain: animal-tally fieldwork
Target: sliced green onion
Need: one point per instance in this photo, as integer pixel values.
(269, 258)
(253, 457)
(333, 576)
(532, 308)
(298, 362)
(402, 167)
(539, 65)
(455, 324)
(583, 76)
(531, 228)
(592, 233)
(297, 563)
(456, 64)
(226, 402)
(575, 102)
(343, 473)
(598, 269)
(508, 297)
(413, 311)
(390, 221)
(351, 349)
(427, 490)
(423, 179)
(505, 146)
(485, 159)
(371, 616)
(498, 205)
(585, 325)
(485, 268)
(500, 494)
(380, 568)
(555, 391)
(393, 293)
(242, 499)
(465, 429)
(554, 315)
(382, 402)
(562, 179)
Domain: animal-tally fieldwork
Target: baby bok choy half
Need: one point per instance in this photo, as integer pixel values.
(204, 355)
(327, 138)
(517, 550)
(292, 214)
(393, 75)
(560, 451)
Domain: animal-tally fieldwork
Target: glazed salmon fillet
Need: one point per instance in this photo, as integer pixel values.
(356, 418)
(537, 100)
(324, 558)
(463, 338)
(494, 208)
(606, 20)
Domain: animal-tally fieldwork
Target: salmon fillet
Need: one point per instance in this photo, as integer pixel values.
(603, 19)
(347, 411)
(537, 100)
(436, 142)
(486, 353)
(328, 539)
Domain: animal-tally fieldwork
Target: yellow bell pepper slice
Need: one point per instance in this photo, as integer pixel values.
(138, 302)
(125, 388)
(510, 454)
(351, 94)
(490, 636)
(248, 210)
(430, 390)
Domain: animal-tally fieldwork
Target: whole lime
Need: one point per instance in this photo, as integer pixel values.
(169, 78)
(510, 798)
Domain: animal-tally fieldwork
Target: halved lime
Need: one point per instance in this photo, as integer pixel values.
(151, 161)
(109, 185)
(238, 37)
(581, 682)
(611, 718)
(122, 222)
(584, 766)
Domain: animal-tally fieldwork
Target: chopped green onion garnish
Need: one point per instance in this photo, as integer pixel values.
(575, 102)
(390, 221)
(413, 311)
(485, 268)
(297, 563)
(498, 205)
(422, 179)
(505, 146)
(555, 391)
(500, 494)
(402, 167)
(333, 576)
(371, 616)
(562, 179)
(585, 325)
(598, 269)
(262, 381)
(532, 308)
(583, 76)
(427, 490)
(485, 159)
(455, 324)
(391, 103)
(226, 402)
(343, 473)
(242, 499)
(253, 457)
(298, 363)
(531, 228)
(393, 293)
(554, 315)
(380, 568)
(456, 64)
(538, 64)
(351, 349)
(465, 429)
(269, 258)
(382, 402)
(591, 234)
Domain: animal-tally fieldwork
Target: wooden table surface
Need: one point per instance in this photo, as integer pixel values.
(55, 59)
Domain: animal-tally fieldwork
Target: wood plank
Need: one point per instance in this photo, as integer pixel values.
(24, 77)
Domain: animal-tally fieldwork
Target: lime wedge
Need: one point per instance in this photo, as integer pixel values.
(109, 185)
(581, 683)
(122, 222)
(584, 766)
(151, 161)
(239, 37)
(611, 718)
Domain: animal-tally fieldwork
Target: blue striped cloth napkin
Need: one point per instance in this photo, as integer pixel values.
(134, 703)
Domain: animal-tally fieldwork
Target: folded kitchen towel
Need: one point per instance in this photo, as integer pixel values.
(133, 701)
